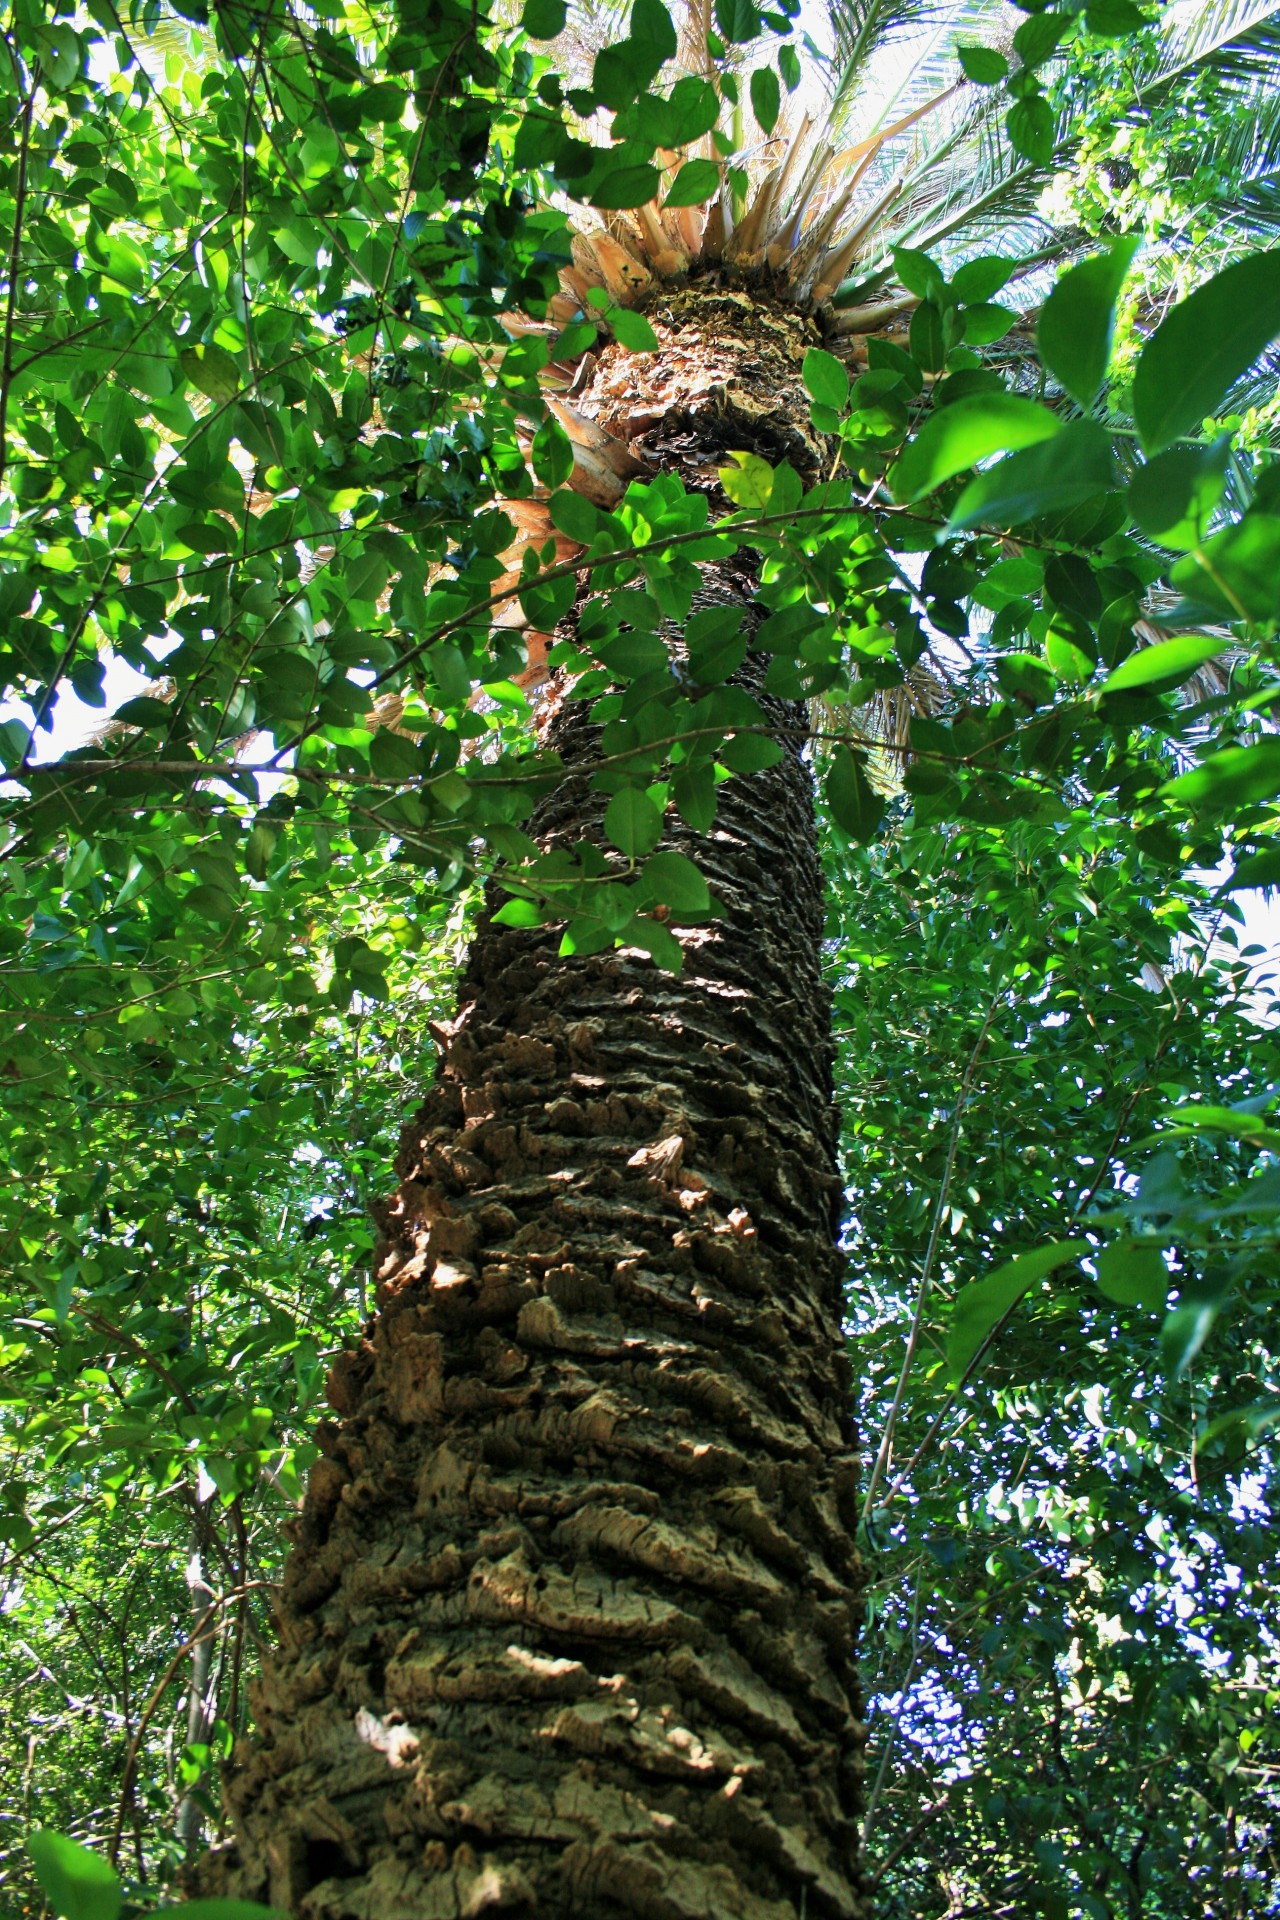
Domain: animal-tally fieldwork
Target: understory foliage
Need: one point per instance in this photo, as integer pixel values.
(294, 499)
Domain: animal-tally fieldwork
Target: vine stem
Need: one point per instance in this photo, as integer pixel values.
(885, 1449)
(882, 1772)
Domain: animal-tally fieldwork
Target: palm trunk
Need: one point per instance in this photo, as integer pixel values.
(569, 1624)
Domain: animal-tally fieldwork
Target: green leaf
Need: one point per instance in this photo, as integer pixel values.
(696, 181)
(986, 323)
(765, 97)
(959, 436)
(1023, 677)
(214, 372)
(694, 792)
(929, 337)
(1250, 1423)
(789, 67)
(1029, 124)
(1256, 870)
(1169, 662)
(518, 912)
(217, 1910)
(78, 1884)
(17, 591)
(750, 752)
(737, 20)
(15, 740)
(211, 903)
(1073, 333)
(1236, 573)
(657, 941)
(982, 278)
(451, 672)
(749, 484)
(982, 65)
(676, 882)
(552, 452)
(1195, 356)
(574, 516)
(633, 822)
(59, 55)
(885, 356)
(826, 379)
(1202, 1117)
(1113, 19)
(632, 655)
(1072, 467)
(1038, 37)
(626, 187)
(577, 338)
(855, 805)
(1072, 662)
(1236, 776)
(983, 1304)
(652, 27)
(631, 330)
(717, 641)
(1188, 1325)
(1133, 1275)
(693, 108)
(919, 273)
(383, 102)
(1173, 496)
(259, 847)
(544, 19)
(83, 862)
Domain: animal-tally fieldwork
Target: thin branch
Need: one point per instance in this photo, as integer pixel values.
(204, 1631)
(926, 1274)
(882, 1772)
(909, 1839)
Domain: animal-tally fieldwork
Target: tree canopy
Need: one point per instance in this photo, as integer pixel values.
(294, 497)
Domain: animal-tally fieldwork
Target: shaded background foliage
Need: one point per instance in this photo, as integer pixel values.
(1073, 1587)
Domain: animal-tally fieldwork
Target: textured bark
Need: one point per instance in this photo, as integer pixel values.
(569, 1624)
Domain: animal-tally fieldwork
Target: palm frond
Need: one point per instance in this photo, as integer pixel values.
(966, 182)
(861, 28)
(1238, 41)
(1255, 214)
(912, 68)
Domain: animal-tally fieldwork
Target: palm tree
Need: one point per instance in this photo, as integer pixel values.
(570, 1621)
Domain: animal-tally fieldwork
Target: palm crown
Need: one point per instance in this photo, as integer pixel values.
(886, 141)
(826, 194)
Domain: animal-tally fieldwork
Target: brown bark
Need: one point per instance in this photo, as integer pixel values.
(569, 1624)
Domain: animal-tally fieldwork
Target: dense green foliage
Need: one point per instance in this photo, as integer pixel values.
(1076, 1568)
(260, 422)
